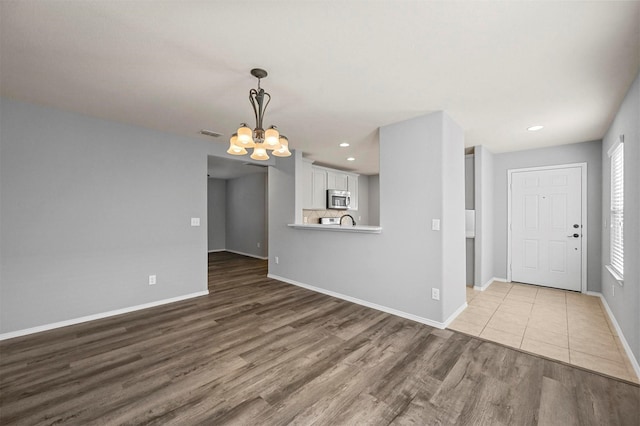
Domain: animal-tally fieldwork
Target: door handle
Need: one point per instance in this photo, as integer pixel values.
(574, 236)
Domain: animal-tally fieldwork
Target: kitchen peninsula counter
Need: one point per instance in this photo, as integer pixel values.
(363, 229)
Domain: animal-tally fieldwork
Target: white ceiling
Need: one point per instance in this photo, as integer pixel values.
(337, 70)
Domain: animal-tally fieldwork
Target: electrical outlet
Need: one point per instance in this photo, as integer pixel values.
(195, 221)
(152, 279)
(435, 293)
(277, 260)
(258, 244)
(435, 224)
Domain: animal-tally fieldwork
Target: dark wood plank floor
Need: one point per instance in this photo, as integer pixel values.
(258, 351)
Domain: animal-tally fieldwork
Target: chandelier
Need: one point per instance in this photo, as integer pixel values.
(259, 139)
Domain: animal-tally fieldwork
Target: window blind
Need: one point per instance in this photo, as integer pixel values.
(617, 209)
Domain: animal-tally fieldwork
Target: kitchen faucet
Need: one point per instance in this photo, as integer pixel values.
(353, 221)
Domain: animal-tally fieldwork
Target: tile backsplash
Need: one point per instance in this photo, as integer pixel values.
(313, 216)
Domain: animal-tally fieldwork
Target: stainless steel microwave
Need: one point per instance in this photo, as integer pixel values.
(338, 199)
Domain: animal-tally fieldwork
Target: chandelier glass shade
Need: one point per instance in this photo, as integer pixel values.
(234, 147)
(258, 139)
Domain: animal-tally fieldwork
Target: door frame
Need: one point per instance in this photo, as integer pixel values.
(585, 229)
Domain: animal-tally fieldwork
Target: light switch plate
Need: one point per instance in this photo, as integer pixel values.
(195, 221)
(435, 224)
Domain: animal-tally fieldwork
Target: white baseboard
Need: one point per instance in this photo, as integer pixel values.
(486, 285)
(455, 314)
(101, 315)
(247, 254)
(371, 305)
(625, 344)
(215, 251)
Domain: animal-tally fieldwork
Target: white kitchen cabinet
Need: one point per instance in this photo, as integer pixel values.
(318, 189)
(316, 180)
(337, 180)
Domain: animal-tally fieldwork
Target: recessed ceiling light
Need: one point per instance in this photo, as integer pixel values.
(534, 128)
(344, 144)
(351, 159)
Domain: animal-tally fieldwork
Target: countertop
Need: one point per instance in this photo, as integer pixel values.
(337, 228)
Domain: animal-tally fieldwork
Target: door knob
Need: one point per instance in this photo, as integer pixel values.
(575, 225)
(574, 236)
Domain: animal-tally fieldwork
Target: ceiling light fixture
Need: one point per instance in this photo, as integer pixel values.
(259, 139)
(351, 159)
(344, 144)
(534, 128)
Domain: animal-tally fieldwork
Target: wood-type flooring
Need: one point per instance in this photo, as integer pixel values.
(261, 352)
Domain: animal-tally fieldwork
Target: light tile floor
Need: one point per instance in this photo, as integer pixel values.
(562, 325)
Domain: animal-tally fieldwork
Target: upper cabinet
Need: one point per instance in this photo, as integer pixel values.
(337, 180)
(318, 189)
(318, 179)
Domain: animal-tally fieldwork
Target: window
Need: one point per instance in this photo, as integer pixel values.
(616, 256)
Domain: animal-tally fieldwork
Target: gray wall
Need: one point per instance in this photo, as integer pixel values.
(90, 209)
(374, 200)
(484, 206)
(470, 257)
(362, 214)
(247, 215)
(469, 203)
(216, 214)
(453, 218)
(469, 182)
(625, 300)
(398, 267)
(589, 152)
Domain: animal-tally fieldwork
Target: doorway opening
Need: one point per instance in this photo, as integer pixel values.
(237, 208)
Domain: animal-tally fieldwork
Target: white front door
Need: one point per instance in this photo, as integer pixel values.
(546, 227)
